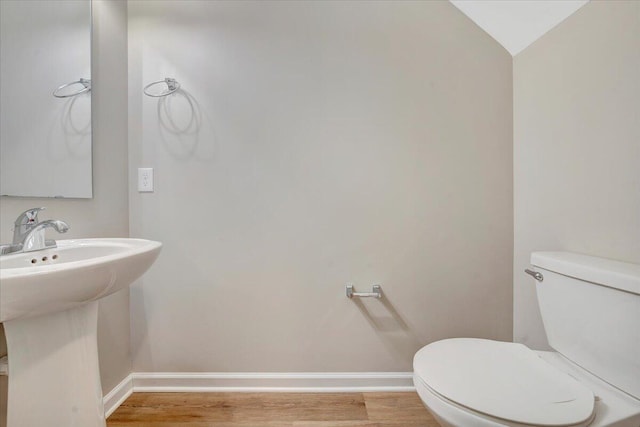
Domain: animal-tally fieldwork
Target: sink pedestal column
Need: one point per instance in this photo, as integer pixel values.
(54, 378)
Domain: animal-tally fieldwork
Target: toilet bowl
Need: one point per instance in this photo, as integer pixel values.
(592, 380)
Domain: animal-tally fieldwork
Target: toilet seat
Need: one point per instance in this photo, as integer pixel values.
(502, 381)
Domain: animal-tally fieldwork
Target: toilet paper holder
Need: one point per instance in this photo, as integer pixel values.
(376, 292)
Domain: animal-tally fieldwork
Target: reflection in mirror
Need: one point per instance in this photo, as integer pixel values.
(45, 137)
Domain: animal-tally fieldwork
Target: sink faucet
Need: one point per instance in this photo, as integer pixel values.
(34, 240)
(28, 234)
(25, 223)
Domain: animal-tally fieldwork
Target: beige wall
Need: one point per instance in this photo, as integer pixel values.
(318, 143)
(335, 142)
(577, 146)
(107, 213)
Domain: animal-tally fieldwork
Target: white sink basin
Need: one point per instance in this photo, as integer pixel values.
(49, 310)
(74, 273)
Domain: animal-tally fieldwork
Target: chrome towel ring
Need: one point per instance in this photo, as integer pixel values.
(172, 86)
(86, 87)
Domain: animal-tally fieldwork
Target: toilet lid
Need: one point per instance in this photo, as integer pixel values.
(503, 380)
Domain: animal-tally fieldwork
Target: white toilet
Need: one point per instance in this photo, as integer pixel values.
(591, 312)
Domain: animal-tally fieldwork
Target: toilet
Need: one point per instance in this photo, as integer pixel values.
(591, 312)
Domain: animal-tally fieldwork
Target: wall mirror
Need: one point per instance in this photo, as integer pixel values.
(45, 98)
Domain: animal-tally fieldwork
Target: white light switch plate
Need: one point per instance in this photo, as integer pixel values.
(145, 180)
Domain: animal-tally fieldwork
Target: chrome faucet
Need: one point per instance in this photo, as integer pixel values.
(28, 234)
(25, 223)
(34, 240)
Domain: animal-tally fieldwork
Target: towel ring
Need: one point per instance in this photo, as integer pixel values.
(172, 86)
(86, 83)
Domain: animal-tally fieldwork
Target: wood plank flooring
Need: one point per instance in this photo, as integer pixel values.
(272, 410)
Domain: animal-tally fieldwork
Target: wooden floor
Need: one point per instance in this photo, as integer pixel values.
(272, 410)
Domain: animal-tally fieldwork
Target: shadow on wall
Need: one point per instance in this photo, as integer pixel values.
(141, 345)
(393, 331)
(183, 127)
(74, 124)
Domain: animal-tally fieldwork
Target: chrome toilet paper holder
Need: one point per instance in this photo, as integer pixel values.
(376, 292)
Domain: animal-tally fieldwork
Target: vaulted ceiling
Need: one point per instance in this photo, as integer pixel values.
(515, 24)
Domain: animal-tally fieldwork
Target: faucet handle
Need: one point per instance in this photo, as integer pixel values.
(25, 222)
(30, 216)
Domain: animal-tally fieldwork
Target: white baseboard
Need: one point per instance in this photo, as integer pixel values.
(270, 382)
(119, 394)
(316, 382)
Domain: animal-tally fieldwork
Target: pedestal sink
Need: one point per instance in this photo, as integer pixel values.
(49, 308)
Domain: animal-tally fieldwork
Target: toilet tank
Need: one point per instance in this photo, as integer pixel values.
(591, 312)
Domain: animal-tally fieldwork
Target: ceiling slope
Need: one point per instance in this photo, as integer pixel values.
(515, 24)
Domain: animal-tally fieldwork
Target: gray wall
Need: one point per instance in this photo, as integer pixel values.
(577, 146)
(107, 213)
(318, 143)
